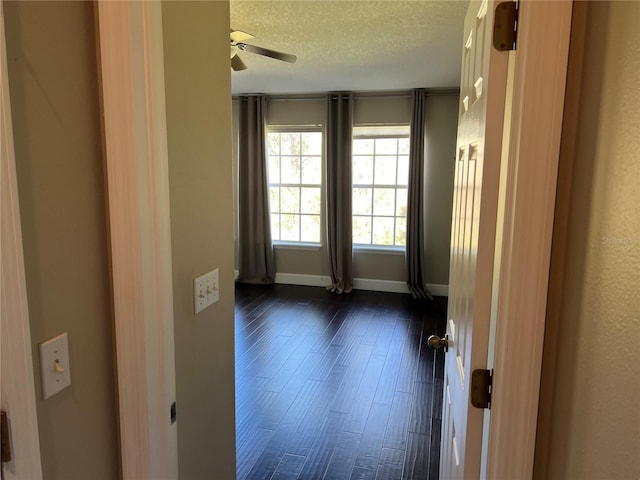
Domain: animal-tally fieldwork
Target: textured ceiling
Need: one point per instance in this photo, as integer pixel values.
(350, 45)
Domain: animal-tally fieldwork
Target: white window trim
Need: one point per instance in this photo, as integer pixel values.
(294, 128)
(379, 249)
(383, 130)
(289, 245)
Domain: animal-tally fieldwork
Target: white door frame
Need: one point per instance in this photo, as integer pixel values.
(538, 103)
(131, 66)
(16, 367)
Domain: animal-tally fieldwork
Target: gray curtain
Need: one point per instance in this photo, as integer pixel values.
(338, 140)
(255, 247)
(414, 252)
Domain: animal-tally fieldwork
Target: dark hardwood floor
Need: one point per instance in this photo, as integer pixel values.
(336, 386)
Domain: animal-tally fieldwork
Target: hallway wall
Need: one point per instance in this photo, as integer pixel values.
(51, 56)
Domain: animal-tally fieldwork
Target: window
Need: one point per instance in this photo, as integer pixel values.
(380, 181)
(295, 182)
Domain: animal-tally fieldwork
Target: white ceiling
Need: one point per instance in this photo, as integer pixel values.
(346, 45)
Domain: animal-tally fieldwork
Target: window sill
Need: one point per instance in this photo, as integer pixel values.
(378, 250)
(297, 246)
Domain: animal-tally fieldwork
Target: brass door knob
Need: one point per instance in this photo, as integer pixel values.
(435, 342)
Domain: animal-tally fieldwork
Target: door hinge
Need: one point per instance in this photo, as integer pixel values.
(505, 26)
(5, 454)
(481, 382)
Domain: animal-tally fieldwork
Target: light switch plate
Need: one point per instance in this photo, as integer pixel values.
(206, 290)
(54, 365)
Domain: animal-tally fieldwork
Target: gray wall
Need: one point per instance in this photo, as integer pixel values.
(442, 122)
(56, 120)
(442, 129)
(593, 418)
(198, 92)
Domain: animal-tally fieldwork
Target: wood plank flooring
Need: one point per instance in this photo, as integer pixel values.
(336, 386)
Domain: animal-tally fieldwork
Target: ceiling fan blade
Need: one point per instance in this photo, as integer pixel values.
(237, 64)
(285, 57)
(240, 36)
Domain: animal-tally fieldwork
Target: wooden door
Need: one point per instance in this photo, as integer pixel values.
(476, 182)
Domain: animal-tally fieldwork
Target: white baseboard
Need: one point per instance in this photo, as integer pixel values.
(358, 283)
(301, 279)
(438, 290)
(380, 285)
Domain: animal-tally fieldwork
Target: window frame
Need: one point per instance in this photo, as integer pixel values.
(374, 132)
(293, 244)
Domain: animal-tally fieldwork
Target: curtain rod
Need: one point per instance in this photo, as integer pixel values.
(284, 98)
(404, 94)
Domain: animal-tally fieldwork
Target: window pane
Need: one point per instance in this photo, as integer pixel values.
(403, 170)
(290, 200)
(274, 170)
(363, 146)
(274, 199)
(401, 202)
(382, 231)
(273, 144)
(290, 143)
(401, 231)
(386, 146)
(403, 146)
(361, 202)
(312, 170)
(362, 230)
(383, 201)
(380, 179)
(310, 228)
(385, 170)
(310, 201)
(362, 170)
(275, 226)
(290, 227)
(295, 159)
(291, 170)
(311, 143)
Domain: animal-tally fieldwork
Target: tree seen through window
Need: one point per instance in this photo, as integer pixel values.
(380, 182)
(295, 181)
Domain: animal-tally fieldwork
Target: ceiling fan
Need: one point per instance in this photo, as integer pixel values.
(238, 38)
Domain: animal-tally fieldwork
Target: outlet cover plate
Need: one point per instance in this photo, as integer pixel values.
(54, 365)
(206, 290)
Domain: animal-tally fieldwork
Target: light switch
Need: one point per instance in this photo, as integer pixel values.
(54, 365)
(206, 290)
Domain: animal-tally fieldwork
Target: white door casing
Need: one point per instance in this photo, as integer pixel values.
(536, 126)
(16, 367)
(476, 182)
(132, 80)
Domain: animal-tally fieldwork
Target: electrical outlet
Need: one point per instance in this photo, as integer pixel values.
(206, 290)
